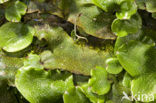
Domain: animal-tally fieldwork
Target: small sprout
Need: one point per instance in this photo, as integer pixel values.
(113, 66)
(94, 98)
(99, 81)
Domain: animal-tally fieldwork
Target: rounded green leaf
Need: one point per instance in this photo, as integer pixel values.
(15, 10)
(141, 4)
(75, 95)
(106, 5)
(94, 98)
(98, 82)
(137, 57)
(33, 61)
(15, 36)
(151, 5)
(40, 86)
(127, 9)
(113, 66)
(139, 36)
(124, 27)
(144, 87)
(134, 45)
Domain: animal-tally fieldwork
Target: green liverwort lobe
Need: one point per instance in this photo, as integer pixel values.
(99, 81)
(15, 36)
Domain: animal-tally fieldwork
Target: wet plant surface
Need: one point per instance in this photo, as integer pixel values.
(77, 51)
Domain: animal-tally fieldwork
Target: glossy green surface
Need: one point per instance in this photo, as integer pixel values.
(77, 51)
(143, 87)
(113, 66)
(151, 5)
(125, 8)
(99, 82)
(137, 57)
(75, 95)
(15, 36)
(124, 27)
(106, 5)
(128, 9)
(15, 10)
(40, 86)
(94, 98)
